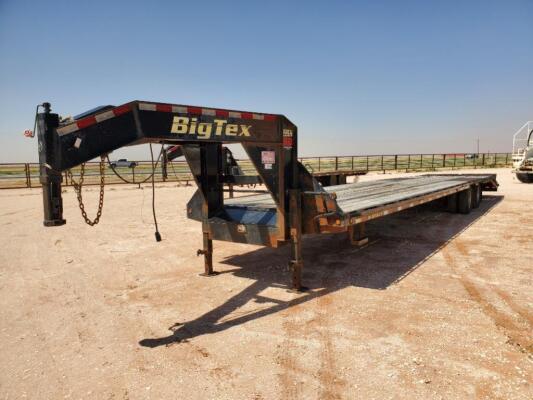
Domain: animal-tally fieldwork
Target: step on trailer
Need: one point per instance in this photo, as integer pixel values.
(295, 203)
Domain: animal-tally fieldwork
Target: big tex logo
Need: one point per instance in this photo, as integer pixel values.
(205, 130)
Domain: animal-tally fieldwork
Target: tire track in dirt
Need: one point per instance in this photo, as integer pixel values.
(330, 384)
(517, 336)
(287, 360)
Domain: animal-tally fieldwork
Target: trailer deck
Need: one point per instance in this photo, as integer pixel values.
(362, 198)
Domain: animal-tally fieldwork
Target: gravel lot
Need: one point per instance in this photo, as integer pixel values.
(436, 306)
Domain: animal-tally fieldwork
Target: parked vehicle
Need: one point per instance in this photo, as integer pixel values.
(123, 163)
(523, 153)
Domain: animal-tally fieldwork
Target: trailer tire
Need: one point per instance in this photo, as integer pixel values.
(451, 203)
(476, 195)
(464, 201)
(524, 177)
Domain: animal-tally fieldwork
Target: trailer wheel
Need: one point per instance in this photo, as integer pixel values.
(524, 177)
(464, 201)
(451, 203)
(476, 195)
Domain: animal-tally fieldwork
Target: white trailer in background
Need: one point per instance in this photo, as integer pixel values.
(523, 153)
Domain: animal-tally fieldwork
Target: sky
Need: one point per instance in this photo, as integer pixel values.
(356, 77)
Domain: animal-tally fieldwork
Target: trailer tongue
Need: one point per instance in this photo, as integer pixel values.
(295, 204)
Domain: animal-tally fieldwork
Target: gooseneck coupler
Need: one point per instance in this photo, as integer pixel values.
(49, 174)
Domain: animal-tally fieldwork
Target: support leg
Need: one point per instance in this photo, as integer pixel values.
(207, 252)
(296, 263)
(357, 234)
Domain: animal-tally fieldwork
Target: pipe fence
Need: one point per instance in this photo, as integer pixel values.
(26, 175)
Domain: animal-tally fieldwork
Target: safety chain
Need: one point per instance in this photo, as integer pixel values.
(78, 186)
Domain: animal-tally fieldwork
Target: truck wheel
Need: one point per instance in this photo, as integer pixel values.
(451, 203)
(476, 195)
(524, 177)
(464, 201)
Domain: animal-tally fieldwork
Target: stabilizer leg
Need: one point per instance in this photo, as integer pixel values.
(207, 252)
(296, 263)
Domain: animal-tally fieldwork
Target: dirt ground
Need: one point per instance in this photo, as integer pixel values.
(436, 306)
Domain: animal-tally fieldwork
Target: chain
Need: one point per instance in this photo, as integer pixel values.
(77, 189)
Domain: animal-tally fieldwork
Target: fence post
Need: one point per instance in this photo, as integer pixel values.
(27, 172)
(133, 173)
(421, 158)
(454, 160)
(433, 161)
(336, 163)
(409, 162)
(395, 162)
(352, 163)
(506, 159)
(382, 164)
(319, 163)
(443, 160)
(483, 160)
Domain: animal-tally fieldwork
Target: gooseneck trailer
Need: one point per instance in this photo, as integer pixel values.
(294, 204)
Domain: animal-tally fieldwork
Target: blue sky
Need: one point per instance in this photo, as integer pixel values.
(360, 77)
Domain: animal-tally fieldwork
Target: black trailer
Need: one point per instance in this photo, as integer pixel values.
(295, 203)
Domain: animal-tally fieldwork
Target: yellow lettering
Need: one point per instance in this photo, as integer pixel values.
(245, 130)
(192, 128)
(204, 130)
(232, 129)
(219, 123)
(179, 125)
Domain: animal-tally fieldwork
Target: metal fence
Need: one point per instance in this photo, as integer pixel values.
(26, 175)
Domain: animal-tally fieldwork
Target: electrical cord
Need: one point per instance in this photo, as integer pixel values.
(128, 181)
(157, 234)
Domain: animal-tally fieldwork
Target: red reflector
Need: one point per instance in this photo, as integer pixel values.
(287, 141)
(85, 122)
(246, 115)
(121, 109)
(270, 118)
(194, 110)
(163, 107)
(222, 113)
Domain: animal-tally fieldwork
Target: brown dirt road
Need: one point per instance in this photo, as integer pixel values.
(436, 306)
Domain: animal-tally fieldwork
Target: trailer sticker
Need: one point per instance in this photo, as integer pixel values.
(287, 138)
(268, 157)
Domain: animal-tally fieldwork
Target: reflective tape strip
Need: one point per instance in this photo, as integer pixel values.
(93, 119)
(65, 130)
(205, 111)
(179, 109)
(163, 107)
(121, 110)
(104, 116)
(147, 107)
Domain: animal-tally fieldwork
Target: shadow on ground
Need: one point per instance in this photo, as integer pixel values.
(398, 245)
